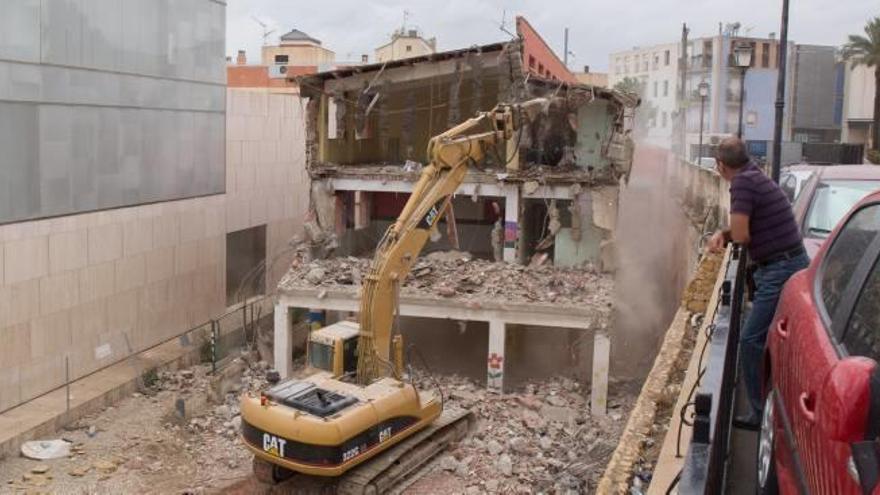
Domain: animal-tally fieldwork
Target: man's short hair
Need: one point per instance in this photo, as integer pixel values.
(732, 152)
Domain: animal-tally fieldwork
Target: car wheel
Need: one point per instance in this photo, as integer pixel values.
(767, 483)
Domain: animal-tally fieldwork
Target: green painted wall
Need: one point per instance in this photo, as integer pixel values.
(595, 121)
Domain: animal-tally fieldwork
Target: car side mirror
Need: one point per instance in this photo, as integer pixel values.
(842, 408)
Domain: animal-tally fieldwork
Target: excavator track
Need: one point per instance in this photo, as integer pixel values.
(382, 473)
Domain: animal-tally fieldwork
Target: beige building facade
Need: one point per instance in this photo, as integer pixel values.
(299, 49)
(858, 104)
(80, 292)
(405, 44)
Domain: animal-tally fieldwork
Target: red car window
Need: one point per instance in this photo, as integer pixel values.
(845, 254)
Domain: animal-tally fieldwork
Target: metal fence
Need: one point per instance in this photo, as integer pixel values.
(215, 341)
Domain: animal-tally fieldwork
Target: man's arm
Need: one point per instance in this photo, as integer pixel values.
(739, 228)
(738, 232)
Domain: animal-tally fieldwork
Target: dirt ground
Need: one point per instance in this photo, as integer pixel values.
(139, 446)
(541, 438)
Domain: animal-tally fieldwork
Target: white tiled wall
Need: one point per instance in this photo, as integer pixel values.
(129, 278)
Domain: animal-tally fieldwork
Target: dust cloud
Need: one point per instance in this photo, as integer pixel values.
(652, 256)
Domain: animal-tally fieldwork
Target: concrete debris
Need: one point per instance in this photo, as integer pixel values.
(456, 275)
(517, 447)
(45, 449)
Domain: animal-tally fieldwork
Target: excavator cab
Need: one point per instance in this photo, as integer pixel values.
(334, 349)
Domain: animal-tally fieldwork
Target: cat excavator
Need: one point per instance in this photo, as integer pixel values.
(355, 422)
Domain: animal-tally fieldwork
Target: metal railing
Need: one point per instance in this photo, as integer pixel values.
(706, 459)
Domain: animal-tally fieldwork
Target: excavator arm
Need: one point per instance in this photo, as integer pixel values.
(450, 155)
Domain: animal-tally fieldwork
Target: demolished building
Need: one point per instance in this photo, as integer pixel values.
(548, 199)
(553, 192)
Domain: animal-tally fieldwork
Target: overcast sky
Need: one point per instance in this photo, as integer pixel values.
(596, 28)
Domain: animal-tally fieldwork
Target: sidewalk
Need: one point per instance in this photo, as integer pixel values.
(44, 416)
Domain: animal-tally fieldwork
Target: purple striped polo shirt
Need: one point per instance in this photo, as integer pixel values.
(772, 228)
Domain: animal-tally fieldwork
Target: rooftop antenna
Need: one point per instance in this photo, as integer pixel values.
(266, 31)
(406, 15)
(503, 25)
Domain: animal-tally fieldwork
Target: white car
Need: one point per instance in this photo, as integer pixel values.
(793, 178)
(707, 162)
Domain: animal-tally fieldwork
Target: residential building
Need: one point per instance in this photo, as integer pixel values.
(599, 79)
(405, 43)
(655, 68)
(277, 78)
(297, 48)
(136, 193)
(711, 59)
(858, 104)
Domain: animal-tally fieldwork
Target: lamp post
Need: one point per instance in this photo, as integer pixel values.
(742, 54)
(703, 90)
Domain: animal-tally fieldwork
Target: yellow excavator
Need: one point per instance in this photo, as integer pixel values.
(356, 404)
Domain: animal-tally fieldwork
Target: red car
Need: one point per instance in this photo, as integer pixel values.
(821, 415)
(826, 195)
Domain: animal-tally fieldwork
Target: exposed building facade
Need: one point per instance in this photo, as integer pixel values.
(547, 197)
(405, 43)
(136, 190)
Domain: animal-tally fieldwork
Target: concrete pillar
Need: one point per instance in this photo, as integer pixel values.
(601, 358)
(283, 347)
(495, 360)
(511, 222)
(362, 202)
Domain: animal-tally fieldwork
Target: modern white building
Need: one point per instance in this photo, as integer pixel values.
(656, 68)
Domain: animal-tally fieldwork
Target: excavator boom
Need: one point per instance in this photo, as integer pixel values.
(450, 155)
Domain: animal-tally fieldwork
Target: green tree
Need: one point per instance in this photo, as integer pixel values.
(865, 50)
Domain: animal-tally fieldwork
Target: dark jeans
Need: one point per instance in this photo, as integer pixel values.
(769, 280)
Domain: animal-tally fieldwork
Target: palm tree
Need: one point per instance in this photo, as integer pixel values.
(866, 50)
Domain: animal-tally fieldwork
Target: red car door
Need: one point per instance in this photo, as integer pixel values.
(807, 333)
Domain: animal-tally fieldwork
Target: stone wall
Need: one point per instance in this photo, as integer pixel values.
(90, 289)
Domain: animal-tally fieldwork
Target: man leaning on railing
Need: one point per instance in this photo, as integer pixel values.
(762, 219)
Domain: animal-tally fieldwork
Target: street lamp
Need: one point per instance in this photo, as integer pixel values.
(742, 54)
(703, 90)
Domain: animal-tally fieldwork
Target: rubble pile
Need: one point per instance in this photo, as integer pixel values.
(456, 275)
(542, 439)
(145, 445)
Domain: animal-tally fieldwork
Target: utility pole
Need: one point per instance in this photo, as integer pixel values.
(682, 93)
(565, 58)
(780, 94)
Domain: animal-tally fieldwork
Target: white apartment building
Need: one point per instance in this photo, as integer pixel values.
(656, 67)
